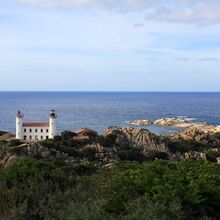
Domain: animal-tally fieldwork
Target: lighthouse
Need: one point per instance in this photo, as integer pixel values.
(35, 131)
(19, 125)
(52, 124)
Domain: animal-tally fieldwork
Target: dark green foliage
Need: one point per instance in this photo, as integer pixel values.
(89, 153)
(67, 134)
(186, 146)
(212, 155)
(3, 148)
(69, 146)
(14, 143)
(133, 154)
(111, 138)
(145, 187)
(30, 184)
(152, 190)
(153, 155)
(57, 138)
(184, 183)
(216, 136)
(105, 141)
(2, 133)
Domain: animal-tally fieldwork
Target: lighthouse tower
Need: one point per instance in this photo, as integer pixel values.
(52, 124)
(19, 125)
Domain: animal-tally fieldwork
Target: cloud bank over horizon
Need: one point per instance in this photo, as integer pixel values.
(140, 45)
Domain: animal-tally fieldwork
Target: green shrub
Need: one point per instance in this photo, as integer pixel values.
(132, 154)
(14, 143)
(153, 155)
(67, 134)
(30, 184)
(89, 153)
(184, 183)
(57, 138)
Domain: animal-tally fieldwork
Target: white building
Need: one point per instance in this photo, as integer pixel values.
(36, 130)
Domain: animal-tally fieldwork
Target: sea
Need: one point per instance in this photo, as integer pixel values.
(99, 110)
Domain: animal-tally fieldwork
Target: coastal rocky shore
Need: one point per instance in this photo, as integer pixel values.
(196, 141)
(191, 129)
(175, 122)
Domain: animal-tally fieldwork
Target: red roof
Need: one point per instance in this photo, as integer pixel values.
(35, 124)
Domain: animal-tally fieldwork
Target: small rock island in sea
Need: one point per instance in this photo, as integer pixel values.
(176, 122)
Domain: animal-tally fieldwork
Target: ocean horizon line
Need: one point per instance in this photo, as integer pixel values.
(90, 91)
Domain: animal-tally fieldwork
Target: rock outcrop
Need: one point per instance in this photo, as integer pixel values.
(141, 122)
(178, 122)
(196, 133)
(138, 138)
(14, 154)
(188, 155)
(175, 122)
(103, 155)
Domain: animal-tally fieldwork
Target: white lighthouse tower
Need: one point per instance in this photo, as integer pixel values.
(19, 125)
(52, 124)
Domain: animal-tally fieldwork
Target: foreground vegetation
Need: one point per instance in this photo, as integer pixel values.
(137, 187)
(37, 189)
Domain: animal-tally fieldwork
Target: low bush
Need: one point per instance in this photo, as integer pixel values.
(132, 154)
(14, 143)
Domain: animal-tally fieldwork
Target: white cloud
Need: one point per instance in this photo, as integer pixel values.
(192, 11)
(123, 4)
(208, 59)
(198, 11)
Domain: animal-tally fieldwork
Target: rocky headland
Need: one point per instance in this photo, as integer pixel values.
(73, 147)
(86, 146)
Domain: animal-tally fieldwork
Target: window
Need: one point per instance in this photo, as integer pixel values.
(46, 137)
(41, 137)
(41, 130)
(30, 137)
(47, 130)
(25, 130)
(30, 130)
(25, 137)
(36, 138)
(36, 130)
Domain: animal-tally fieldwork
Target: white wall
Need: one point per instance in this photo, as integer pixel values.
(36, 135)
(19, 130)
(53, 129)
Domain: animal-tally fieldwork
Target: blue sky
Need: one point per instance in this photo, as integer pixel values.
(108, 45)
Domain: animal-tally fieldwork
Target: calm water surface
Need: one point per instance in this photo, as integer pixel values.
(98, 110)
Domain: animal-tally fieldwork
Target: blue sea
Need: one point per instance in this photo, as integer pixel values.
(98, 110)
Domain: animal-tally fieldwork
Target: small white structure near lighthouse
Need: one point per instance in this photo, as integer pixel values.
(34, 131)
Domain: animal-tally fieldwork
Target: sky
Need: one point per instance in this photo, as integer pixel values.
(109, 45)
